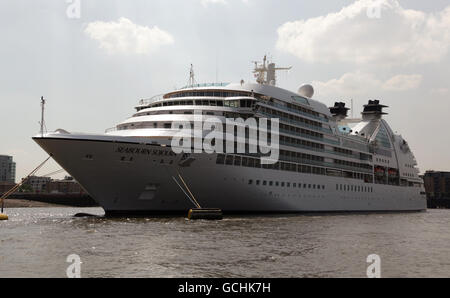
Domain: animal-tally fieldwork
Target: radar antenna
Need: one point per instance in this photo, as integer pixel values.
(265, 72)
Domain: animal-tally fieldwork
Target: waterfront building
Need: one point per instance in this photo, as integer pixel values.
(65, 186)
(437, 184)
(7, 169)
(38, 184)
(6, 186)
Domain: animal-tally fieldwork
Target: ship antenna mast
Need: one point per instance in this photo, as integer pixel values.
(42, 115)
(266, 74)
(192, 76)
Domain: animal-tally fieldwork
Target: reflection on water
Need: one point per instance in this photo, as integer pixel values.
(35, 242)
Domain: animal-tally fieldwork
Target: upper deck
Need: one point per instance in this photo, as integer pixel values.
(309, 131)
(227, 90)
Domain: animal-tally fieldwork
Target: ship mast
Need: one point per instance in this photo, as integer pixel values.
(191, 77)
(265, 72)
(42, 115)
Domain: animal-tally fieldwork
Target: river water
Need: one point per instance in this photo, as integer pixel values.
(36, 242)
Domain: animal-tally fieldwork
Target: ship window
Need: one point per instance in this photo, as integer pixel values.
(282, 184)
(258, 182)
(294, 185)
(264, 182)
(270, 183)
(301, 100)
(250, 182)
(220, 159)
(309, 185)
(383, 138)
(237, 160)
(277, 183)
(229, 160)
(250, 163)
(288, 184)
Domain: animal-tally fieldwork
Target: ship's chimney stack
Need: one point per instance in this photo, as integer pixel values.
(339, 111)
(373, 110)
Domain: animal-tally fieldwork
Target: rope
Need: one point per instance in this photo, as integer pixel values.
(54, 173)
(196, 203)
(190, 199)
(12, 190)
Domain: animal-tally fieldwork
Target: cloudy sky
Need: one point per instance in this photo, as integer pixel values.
(93, 60)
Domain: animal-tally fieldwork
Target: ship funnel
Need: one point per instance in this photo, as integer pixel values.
(373, 110)
(339, 111)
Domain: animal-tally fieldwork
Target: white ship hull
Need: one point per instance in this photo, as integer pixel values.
(145, 184)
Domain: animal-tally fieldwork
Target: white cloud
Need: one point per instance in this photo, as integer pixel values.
(403, 82)
(125, 37)
(359, 83)
(399, 36)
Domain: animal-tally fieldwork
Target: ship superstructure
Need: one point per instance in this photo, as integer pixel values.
(327, 162)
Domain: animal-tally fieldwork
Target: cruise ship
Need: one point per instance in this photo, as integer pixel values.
(327, 162)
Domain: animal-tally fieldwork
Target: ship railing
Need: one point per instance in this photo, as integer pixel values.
(298, 123)
(354, 156)
(309, 137)
(294, 111)
(111, 129)
(205, 85)
(146, 102)
(325, 164)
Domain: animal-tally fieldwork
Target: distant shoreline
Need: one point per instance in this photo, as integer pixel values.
(18, 203)
(24, 200)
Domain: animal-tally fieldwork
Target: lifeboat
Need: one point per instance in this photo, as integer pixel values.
(379, 171)
(393, 173)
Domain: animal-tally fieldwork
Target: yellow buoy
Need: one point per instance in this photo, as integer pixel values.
(205, 213)
(3, 216)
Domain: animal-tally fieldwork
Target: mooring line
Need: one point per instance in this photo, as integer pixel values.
(182, 180)
(12, 190)
(190, 199)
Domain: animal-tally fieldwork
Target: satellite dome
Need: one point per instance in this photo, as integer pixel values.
(306, 91)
